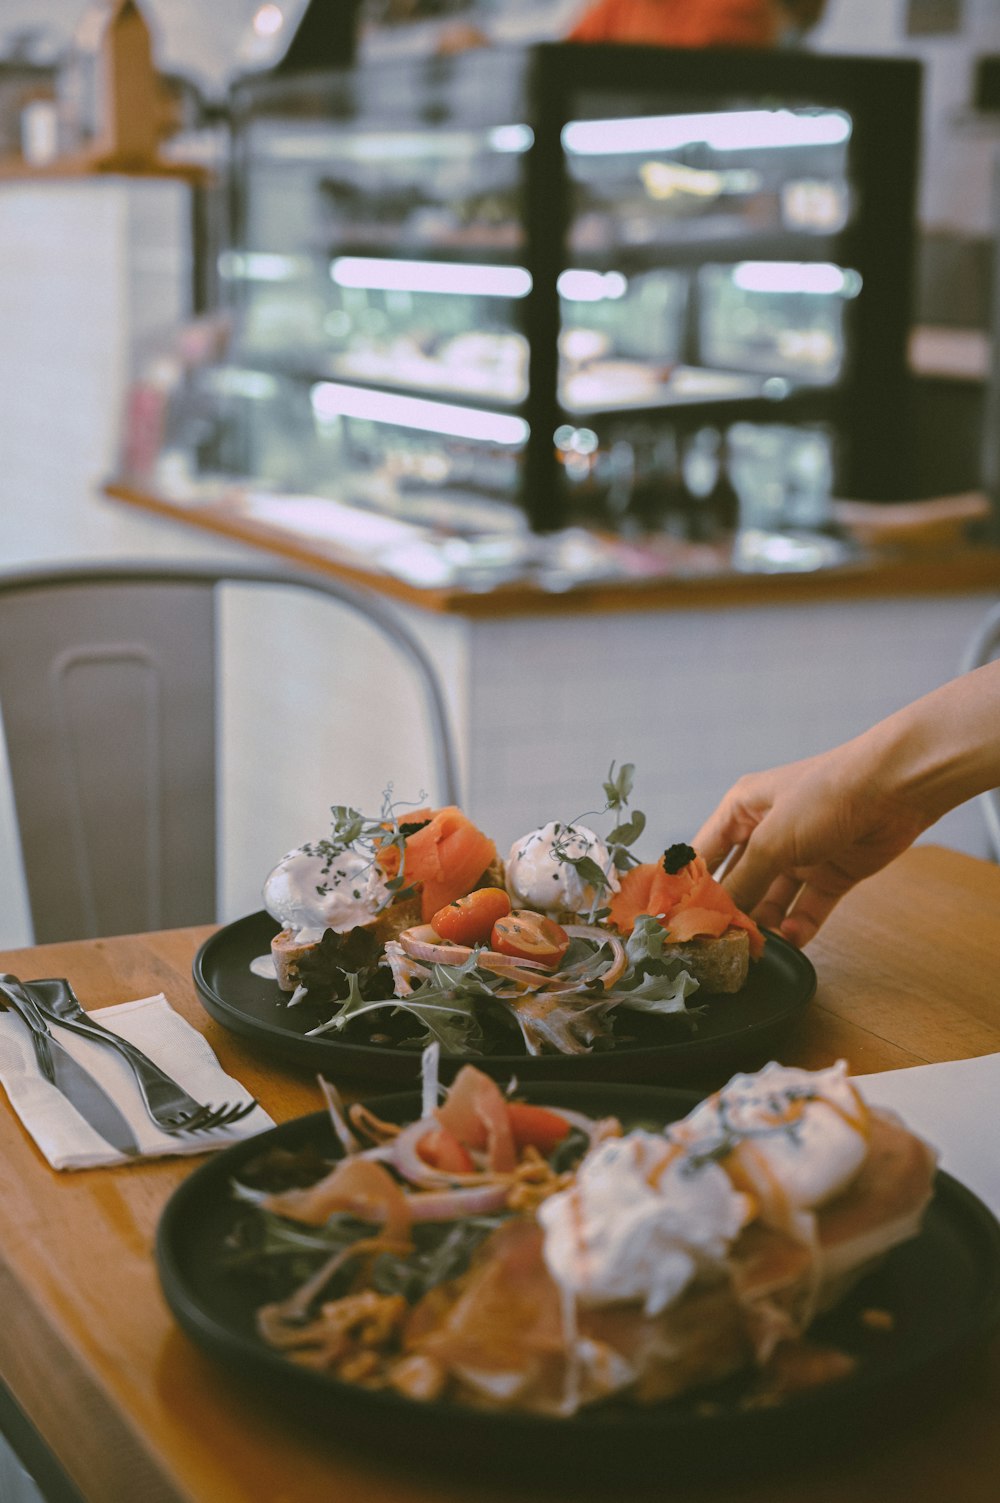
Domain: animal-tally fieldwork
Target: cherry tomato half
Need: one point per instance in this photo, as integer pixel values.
(530, 936)
(442, 1150)
(470, 920)
(536, 1126)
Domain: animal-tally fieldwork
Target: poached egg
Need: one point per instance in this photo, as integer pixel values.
(540, 873)
(639, 1221)
(647, 1212)
(308, 892)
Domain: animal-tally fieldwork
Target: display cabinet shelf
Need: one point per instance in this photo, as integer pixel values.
(569, 276)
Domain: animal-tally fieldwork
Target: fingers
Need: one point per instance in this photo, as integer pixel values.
(773, 908)
(724, 833)
(752, 875)
(808, 914)
(794, 909)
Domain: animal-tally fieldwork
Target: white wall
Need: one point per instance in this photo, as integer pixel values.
(694, 699)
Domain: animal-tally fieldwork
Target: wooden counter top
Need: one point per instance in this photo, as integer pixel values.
(943, 565)
(907, 966)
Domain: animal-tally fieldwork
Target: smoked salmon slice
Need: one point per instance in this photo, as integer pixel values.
(446, 857)
(689, 903)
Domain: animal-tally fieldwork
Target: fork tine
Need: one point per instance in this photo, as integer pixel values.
(190, 1121)
(208, 1118)
(224, 1115)
(239, 1111)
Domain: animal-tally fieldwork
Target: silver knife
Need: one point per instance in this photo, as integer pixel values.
(79, 1087)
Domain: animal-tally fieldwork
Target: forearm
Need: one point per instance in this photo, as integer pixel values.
(943, 748)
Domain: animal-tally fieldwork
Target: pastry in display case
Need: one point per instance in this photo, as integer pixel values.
(530, 287)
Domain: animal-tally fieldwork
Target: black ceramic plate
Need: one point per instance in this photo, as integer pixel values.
(942, 1291)
(739, 1031)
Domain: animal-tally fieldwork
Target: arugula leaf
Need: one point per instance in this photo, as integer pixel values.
(653, 982)
(443, 1006)
(439, 1253)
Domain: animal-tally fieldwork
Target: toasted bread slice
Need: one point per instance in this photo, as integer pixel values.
(494, 875)
(402, 914)
(286, 952)
(718, 965)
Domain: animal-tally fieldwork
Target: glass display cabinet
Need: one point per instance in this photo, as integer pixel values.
(632, 288)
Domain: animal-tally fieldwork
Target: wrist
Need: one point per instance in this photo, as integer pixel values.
(942, 749)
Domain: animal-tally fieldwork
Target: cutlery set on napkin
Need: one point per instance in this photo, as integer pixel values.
(137, 1082)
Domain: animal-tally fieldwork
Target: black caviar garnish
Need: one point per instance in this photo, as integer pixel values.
(677, 856)
(408, 827)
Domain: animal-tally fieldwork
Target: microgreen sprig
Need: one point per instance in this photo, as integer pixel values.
(355, 831)
(631, 823)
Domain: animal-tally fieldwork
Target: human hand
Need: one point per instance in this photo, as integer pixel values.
(804, 834)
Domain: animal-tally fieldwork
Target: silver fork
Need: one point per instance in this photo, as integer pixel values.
(170, 1107)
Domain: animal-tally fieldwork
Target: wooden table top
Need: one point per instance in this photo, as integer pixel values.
(908, 969)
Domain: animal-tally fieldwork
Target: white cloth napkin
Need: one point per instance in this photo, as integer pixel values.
(953, 1106)
(62, 1135)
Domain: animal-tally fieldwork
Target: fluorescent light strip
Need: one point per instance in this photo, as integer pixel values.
(796, 276)
(332, 399)
(732, 130)
(262, 266)
(513, 139)
(591, 286)
(377, 274)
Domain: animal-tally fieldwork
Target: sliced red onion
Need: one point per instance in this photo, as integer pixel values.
(407, 1161)
(449, 1205)
(422, 943)
(338, 1116)
(429, 1062)
(401, 967)
(525, 972)
(619, 958)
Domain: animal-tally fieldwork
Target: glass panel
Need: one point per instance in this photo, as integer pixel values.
(782, 318)
(690, 179)
(708, 285)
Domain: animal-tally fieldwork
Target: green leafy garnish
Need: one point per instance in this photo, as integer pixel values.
(631, 823)
(355, 831)
(442, 1006)
(653, 982)
(342, 963)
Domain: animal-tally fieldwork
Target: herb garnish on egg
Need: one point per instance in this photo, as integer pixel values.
(617, 791)
(354, 831)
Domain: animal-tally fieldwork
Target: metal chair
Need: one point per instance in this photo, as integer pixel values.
(108, 693)
(982, 647)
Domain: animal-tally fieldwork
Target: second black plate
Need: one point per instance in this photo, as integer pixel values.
(940, 1293)
(735, 1032)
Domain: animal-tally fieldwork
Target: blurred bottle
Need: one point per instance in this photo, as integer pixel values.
(722, 504)
(648, 497)
(699, 469)
(108, 94)
(809, 480)
(675, 502)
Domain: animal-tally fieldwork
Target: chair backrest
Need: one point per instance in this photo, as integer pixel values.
(108, 693)
(982, 647)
